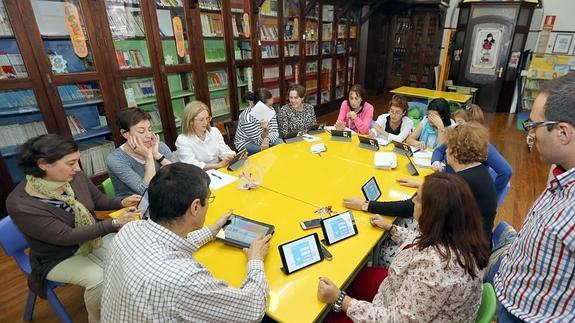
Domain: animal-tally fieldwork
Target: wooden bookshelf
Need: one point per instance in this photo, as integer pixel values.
(159, 55)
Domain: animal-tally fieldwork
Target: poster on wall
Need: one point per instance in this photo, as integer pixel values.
(486, 51)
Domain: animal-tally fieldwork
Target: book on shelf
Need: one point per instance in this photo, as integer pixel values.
(243, 50)
(212, 25)
(156, 119)
(170, 3)
(311, 48)
(341, 31)
(76, 127)
(269, 50)
(291, 8)
(271, 73)
(217, 79)
(214, 50)
(18, 133)
(326, 32)
(93, 155)
(269, 32)
(141, 88)
(125, 22)
(239, 26)
(5, 27)
(130, 58)
(327, 12)
(78, 92)
(269, 8)
(11, 62)
(326, 47)
(220, 106)
(353, 32)
(291, 49)
(17, 100)
(210, 4)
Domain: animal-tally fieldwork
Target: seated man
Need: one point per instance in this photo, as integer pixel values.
(150, 273)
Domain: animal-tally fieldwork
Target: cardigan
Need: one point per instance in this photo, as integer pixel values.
(291, 120)
(362, 123)
(50, 230)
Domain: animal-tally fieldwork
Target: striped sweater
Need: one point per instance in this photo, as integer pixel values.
(250, 131)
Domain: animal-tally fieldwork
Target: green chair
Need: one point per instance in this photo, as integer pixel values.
(454, 106)
(108, 187)
(488, 304)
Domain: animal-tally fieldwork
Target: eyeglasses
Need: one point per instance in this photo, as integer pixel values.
(529, 125)
(395, 112)
(208, 119)
(211, 199)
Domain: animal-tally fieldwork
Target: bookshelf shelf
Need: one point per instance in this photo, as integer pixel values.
(93, 133)
(81, 103)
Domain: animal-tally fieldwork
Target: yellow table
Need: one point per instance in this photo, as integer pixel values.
(295, 183)
(292, 298)
(432, 94)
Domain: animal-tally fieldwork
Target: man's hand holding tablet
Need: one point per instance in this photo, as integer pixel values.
(259, 248)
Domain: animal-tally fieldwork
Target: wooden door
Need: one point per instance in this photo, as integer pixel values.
(486, 51)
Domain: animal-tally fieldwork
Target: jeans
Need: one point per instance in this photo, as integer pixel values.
(253, 148)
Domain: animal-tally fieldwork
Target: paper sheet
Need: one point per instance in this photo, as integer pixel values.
(261, 112)
(423, 154)
(219, 179)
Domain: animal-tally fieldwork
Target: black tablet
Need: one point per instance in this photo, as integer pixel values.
(240, 231)
(341, 135)
(293, 136)
(300, 253)
(338, 227)
(315, 129)
(411, 167)
(238, 160)
(402, 148)
(371, 190)
(368, 143)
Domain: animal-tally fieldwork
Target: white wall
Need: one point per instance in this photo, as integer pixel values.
(564, 23)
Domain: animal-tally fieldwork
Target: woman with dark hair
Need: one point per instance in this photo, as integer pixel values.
(495, 160)
(437, 274)
(54, 208)
(297, 115)
(355, 113)
(255, 135)
(394, 125)
(430, 132)
(132, 165)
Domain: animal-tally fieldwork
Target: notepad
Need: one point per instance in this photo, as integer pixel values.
(385, 160)
(423, 154)
(219, 179)
(422, 162)
(262, 112)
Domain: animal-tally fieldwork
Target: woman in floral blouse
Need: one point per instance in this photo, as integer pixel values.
(436, 275)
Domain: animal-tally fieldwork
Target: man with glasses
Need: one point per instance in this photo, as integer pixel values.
(536, 280)
(150, 273)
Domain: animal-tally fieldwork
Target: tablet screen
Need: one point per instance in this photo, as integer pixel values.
(143, 205)
(300, 253)
(371, 190)
(338, 227)
(242, 231)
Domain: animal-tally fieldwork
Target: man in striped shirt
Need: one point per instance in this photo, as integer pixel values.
(150, 272)
(536, 281)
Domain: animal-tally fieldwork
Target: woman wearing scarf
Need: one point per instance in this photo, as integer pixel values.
(430, 132)
(54, 208)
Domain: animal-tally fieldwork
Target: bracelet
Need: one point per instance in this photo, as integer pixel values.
(115, 224)
(161, 159)
(337, 305)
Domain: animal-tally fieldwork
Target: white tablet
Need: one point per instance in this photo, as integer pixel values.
(338, 227)
(300, 253)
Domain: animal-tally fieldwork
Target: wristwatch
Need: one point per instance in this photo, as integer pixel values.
(337, 305)
(161, 159)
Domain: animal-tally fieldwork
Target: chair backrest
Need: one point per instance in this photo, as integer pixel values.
(231, 127)
(488, 304)
(109, 187)
(14, 244)
(498, 231)
(448, 83)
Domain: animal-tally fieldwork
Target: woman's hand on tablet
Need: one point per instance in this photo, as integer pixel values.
(131, 200)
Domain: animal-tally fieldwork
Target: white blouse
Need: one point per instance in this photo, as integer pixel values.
(404, 130)
(194, 151)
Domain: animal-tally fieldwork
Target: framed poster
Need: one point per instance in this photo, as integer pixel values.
(562, 43)
(486, 50)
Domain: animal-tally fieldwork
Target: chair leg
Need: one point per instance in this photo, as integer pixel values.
(29, 309)
(58, 307)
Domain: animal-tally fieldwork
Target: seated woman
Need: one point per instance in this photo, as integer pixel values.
(437, 273)
(494, 159)
(54, 208)
(297, 115)
(200, 144)
(132, 165)
(394, 125)
(430, 132)
(355, 113)
(255, 135)
(466, 152)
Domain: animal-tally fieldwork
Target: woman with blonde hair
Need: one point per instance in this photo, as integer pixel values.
(495, 161)
(201, 144)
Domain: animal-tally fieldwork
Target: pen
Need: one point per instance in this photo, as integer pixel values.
(216, 176)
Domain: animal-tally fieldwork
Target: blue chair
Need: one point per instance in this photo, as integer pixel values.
(14, 244)
(501, 196)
